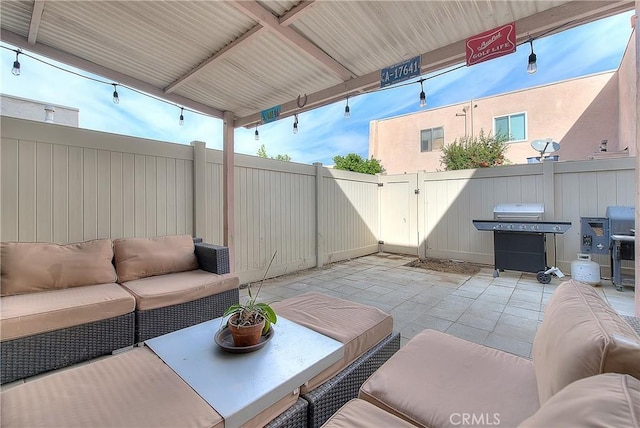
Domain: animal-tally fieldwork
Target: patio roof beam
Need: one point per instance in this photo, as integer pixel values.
(222, 53)
(548, 22)
(296, 12)
(34, 24)
(290, 17)
(265, 18)
(107, 73)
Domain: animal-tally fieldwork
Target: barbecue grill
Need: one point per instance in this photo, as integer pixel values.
(519, 238)
(622, 234)
(613, 235)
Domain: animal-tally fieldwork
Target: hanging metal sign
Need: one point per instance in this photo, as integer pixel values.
(400, 72)
(491, 44)
(270, 114)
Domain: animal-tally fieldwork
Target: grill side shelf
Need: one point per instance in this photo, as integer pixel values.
(515, 226)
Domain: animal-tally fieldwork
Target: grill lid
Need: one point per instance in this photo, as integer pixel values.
(518, 211)
(621, 219)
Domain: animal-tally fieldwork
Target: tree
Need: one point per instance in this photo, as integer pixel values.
(262, 152)
(355, 162)
(482, 151)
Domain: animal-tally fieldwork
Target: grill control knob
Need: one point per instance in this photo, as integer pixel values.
(535, 227)
(556, 228)
(510, 226)
(523, 226)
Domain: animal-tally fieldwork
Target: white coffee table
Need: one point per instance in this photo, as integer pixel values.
(240, 386)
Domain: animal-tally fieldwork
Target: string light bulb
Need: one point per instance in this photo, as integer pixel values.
(181, 121)
(423, 96)
(16, 65)
(256, 134)
(532, 66)
(347, 110)
(295, 123)
(116, 99)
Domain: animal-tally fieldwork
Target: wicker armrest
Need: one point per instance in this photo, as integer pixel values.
(212, 258)
(634, 322)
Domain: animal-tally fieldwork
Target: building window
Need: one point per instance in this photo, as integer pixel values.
(513, 126)
(431, 139)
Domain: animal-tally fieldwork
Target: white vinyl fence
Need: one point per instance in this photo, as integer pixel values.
(64, 184)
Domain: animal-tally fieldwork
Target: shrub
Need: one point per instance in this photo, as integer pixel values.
(355, 162)
(482, 151)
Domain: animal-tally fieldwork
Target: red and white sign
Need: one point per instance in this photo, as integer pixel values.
(491, 44)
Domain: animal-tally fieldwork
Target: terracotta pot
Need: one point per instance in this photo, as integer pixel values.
(245, 335)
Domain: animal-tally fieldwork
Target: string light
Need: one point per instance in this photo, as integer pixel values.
(116, 99)
(181, 121)
(347, 110)
(423, 96)
(16, 71)
(532, 66)
(256, 134)
(16, 65)
(295, 123)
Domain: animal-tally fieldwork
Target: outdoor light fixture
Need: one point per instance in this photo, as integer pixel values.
(256, 134)
(423, 96)
(295, 123)
(347, 111)
(16, 66)
(116, 99)
(181, 121)
(532, 67)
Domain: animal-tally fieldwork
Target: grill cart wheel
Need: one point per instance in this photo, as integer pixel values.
(543, 278)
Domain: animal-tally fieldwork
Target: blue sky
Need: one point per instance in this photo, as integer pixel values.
(323, 132)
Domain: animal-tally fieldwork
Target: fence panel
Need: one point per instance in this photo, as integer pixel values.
(63, 184)
(348, 222)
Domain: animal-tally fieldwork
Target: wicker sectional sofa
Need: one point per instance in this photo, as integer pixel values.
(63, 304)
(585, 372)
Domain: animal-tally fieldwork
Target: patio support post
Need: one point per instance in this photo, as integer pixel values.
(637, 261)
(319, 231)
(228, 202)
(548, 184)
(199, 189)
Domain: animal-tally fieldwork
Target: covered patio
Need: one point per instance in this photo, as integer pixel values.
(246, 62)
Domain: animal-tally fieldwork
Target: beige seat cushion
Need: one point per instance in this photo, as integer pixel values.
(32, 267)
(581, 336)
(131, 389)
(137, 258)
(358, 413)
(359, 327)
(27, 314)
(174, 288)
(607, 400)
(436, 379)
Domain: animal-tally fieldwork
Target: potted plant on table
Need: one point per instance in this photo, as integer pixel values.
(250, 321)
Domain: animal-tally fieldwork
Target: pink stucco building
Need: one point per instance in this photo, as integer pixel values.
(578, 113)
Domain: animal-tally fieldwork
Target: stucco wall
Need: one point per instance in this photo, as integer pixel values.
(577, 113)
(23, 108)
(627, 98)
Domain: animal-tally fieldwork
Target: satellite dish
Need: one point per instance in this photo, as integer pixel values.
(545, 146)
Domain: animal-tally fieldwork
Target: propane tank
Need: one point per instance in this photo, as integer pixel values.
(585, 270)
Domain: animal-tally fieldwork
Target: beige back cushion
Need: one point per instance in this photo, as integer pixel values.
(31, 267)
(581, 336)
(142, 257)
(607, 400)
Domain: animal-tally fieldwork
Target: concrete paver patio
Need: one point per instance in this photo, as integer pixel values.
(502, 313)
